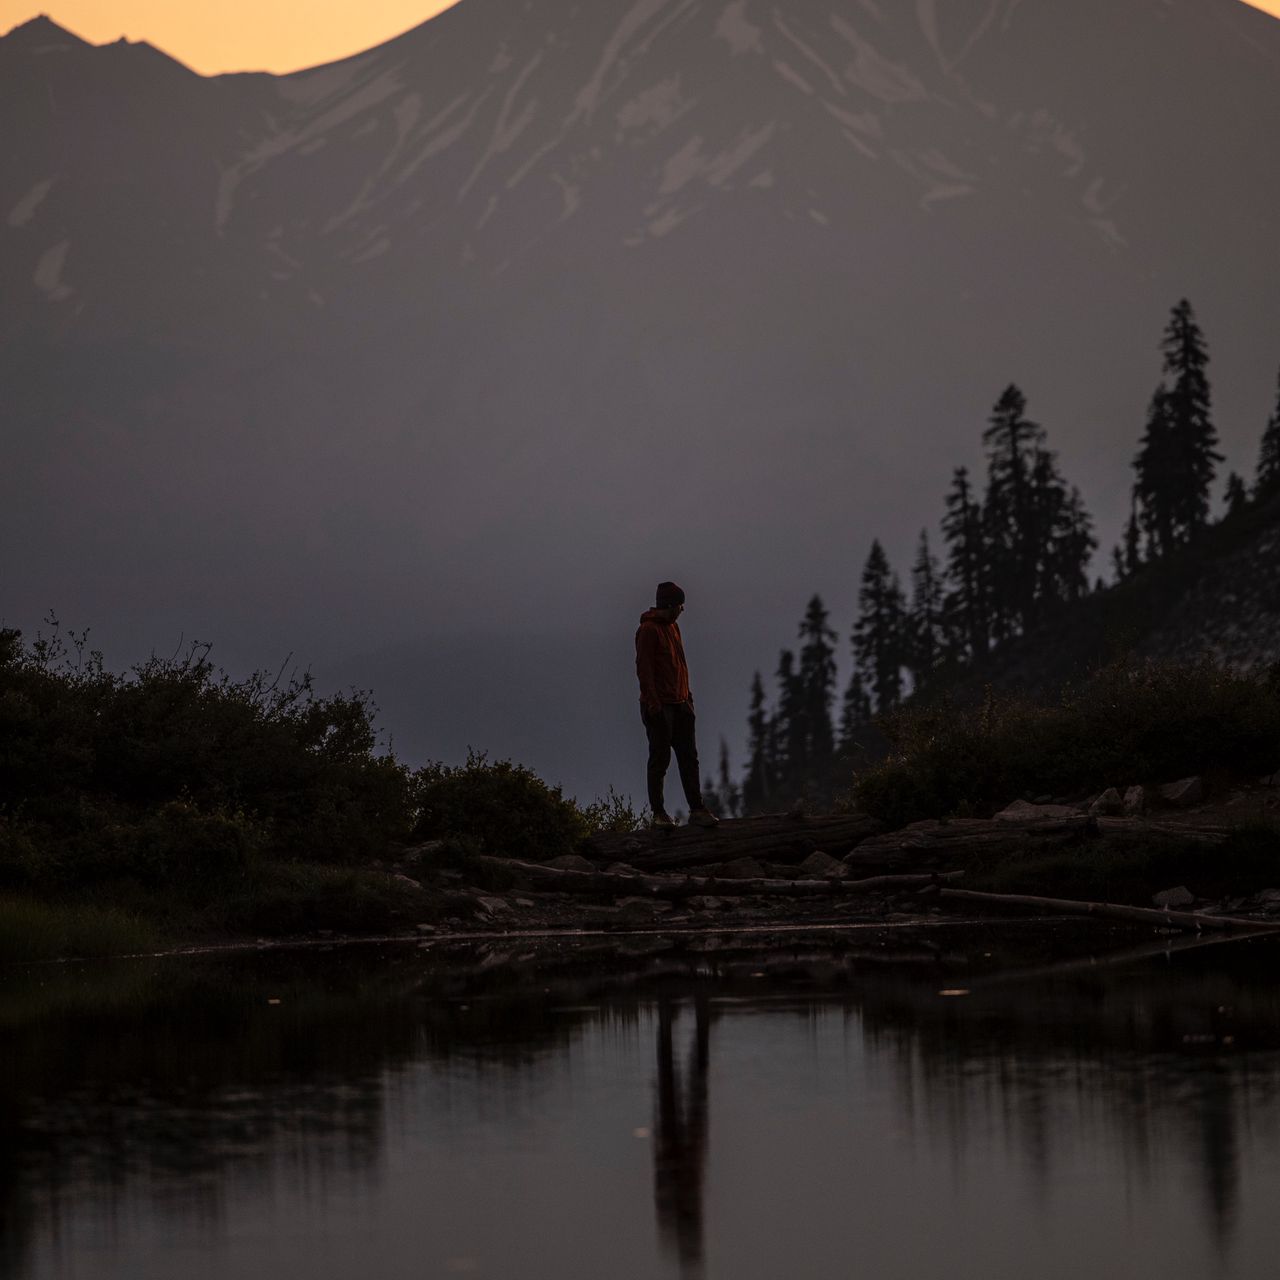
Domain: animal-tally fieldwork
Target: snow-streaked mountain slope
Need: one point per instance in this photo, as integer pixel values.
(576, 293)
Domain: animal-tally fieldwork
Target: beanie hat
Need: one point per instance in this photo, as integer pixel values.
(669, 595)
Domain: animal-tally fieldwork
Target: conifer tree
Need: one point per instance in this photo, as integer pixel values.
(855, 713)
(1267, 481)
(758, 785)
(1012, 442)
(925, 616)
(817, 681)
(1236, 496)
(965, 603)
(1132, 543)
(878, 635)
(728, 797)
(1176, 460)
(790, 731)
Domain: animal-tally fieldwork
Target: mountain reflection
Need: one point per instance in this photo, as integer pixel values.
(172, 1082)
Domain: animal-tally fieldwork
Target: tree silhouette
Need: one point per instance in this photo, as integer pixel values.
(817, 680)
(1177, 453)
(1012, 442)
(965, 612)
(925, 639)
(879, 633)
(1267, 480)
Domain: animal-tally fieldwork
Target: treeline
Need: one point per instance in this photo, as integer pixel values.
(1012, 553)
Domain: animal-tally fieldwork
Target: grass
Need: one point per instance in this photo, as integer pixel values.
(1131, 868)
(31, 930)
(1130, 723)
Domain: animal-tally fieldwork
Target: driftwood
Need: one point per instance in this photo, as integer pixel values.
(614, 884)
(774, 837)
(1113, 910)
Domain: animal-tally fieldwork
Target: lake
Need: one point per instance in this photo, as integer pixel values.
(1028, 1099)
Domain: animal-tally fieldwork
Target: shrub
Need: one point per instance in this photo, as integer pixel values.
(1146, 723)
(176, 772)
(507, 808)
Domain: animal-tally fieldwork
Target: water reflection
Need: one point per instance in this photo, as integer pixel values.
(1070, 1090)
(680, 1133)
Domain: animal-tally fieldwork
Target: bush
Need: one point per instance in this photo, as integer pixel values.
(1147, 723)
(507, 808)
(175, 772)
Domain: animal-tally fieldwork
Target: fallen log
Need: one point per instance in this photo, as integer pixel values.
(1112, 910)
(614, 884)
(777, 837)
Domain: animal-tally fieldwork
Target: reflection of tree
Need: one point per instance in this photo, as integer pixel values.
(680, 1135)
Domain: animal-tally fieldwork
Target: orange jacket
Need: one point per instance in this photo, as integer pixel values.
(660, 664)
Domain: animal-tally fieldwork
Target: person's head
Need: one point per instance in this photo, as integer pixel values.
(670, 600)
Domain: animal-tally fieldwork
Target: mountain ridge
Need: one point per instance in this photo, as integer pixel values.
(597, 294)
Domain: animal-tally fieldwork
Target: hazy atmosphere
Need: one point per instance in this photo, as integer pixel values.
(426, 366)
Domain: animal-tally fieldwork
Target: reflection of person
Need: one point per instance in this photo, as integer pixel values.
(680, 1132)
(666, 706)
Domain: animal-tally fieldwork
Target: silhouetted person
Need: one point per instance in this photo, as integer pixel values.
(666, 706)
(680, 1138)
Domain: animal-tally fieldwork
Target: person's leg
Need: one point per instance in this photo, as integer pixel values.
(686, 749)
(658, 729)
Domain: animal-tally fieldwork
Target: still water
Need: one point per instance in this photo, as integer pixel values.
(1033, 1100)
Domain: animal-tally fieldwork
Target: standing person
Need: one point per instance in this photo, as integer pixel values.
(666, 706)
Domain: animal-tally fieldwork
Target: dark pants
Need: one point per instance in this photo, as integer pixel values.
(672, 729)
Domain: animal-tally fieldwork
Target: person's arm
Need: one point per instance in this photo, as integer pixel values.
(647, 669)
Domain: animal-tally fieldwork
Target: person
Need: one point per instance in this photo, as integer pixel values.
(666, 706)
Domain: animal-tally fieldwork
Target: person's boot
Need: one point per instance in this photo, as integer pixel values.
(661, 822)
(703, 818)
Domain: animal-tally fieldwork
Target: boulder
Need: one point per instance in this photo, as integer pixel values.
(822, 866)
(493, 906)
(571, 862)
(1184, 793)
(1172, 899)
(705, 902)
(1108, 804)
(1135, 800)
(1025, 811)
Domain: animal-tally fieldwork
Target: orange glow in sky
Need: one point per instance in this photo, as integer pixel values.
(235, 35)
(252, 35)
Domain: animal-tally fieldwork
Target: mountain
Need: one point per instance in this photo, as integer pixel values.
(484, 331)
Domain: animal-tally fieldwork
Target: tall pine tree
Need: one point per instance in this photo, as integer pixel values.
(925, 615)
(1012, 442)
(1267, 481)
(817, 679)
(758, 785)
(879, 633)
(966, 619)
(1177, 455)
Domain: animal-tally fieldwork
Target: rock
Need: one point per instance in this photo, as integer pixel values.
(1174, 898)
(408, 881)
(620, 869)
(740, 869)
(1043, 800)
(1271, 780)
(1108, 804)
(571, 862)
(1184, 793)
(1025, 811)
(823, 866)
(525, 902)
(425, 928)
(1135, 800)
(493, 906)
(705, 902)
(654, 906)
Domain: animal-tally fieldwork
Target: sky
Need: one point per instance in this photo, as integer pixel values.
(251, 35)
